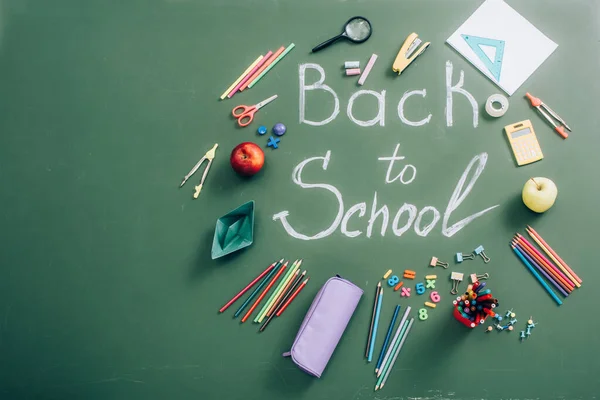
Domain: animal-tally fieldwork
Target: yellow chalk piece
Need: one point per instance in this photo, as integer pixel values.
(428, 304)
(241, 77)
(387, 274)
(431, 277)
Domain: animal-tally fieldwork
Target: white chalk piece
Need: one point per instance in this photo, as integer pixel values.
(352, 64)
(367, 69)
(353, 71)
(493, 111)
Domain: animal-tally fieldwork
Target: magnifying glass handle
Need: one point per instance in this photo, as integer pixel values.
(326, 43)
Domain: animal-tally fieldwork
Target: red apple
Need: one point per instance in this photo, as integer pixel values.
(247, 158)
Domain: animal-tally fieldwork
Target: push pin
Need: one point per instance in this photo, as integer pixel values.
(510, 328)
(489, 329)
(522, 335)
(460, 257)
(437, 263)
(498, 317)
(513, 321)
(528, 332)
(456, 278)
(530, 323)
(479, 251)
(499, 327)
(510, 314)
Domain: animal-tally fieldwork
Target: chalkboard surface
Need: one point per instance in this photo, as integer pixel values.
(107, 287)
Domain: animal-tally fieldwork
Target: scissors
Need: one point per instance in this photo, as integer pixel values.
(247, 115)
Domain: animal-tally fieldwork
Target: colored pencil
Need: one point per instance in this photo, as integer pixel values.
(289, 292)
(244, 290)
(258, 78)
(230, 88)
(536, 264)
(562, 280)
(265, 291)
(549, 263)
(387, 338)
(386, 365)
(395, 340)
(279, 287)
(377, 289)
(292, 297)
(255, 292)
(288, 284)
(252, 71)
(375, 326)
(542, 243)
(397, 352)
(262, 68)
(537, 276)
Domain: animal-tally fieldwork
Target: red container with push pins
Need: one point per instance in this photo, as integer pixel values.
(475, 305)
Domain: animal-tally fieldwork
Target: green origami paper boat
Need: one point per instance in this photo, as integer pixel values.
(234, 231)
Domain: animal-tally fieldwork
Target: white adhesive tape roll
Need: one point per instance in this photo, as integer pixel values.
(493, 111)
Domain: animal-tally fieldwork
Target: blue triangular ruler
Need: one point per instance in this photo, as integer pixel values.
(494, 66)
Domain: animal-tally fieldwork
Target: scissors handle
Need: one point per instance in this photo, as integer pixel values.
(246, 116)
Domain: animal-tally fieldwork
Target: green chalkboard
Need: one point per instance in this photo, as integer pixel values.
(107, 287)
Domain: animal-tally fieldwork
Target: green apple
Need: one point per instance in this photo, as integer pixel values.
(539, 194)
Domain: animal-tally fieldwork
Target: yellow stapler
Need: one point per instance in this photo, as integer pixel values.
(408, 52)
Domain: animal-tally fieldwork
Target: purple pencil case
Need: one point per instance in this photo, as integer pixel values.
(324, 324)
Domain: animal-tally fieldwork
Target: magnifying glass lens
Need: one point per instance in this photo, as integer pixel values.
(358, 29)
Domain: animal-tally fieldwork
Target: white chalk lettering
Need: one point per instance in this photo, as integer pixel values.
(458, 88)
(362, 207)
(380, 117)
(459, 196)
(425, 231)
(412, 214)
(400, 176)
(384, 212)
(297, 179)
(401, 109)
(317, 85)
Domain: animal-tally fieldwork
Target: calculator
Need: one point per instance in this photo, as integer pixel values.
(524, 143)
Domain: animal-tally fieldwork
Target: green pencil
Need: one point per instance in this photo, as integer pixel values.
(389, 360)
(278, 289)
(287, 50)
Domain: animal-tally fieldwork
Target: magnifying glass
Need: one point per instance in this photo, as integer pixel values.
(357, 30)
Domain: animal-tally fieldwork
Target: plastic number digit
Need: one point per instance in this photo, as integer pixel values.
(393, 280)
(420, 288)
(423, 314)
(435, 297)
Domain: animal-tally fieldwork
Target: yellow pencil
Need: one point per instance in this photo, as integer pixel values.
(238, 80)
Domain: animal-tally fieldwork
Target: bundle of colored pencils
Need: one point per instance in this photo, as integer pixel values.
(556, 272)
(290, 285)
(386, 362)
(256, 70)
(473, 307)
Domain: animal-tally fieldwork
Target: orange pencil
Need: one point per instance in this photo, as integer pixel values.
(292, 297)
(559, 260)
(545, 263)
(262, 68)
(264, 293)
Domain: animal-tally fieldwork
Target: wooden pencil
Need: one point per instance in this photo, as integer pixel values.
(372, 319)
(545, 263)
(539, 267)
(375, 326)
(255, 292)
(397, 352)
(289, 292)
(387, 338)
(542, 243)
(394, 341)
(283, 291)
(264, 292)
(292, 297)
(537, 276)
(244, 290)
(558, 270)
(278, 288)
(386, 365)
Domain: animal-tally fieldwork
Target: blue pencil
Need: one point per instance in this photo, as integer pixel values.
(387, 338)
(379, 301)
(538, 277)
(249, 299)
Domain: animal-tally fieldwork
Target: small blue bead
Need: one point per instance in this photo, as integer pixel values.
(279, 129)
(262, 130)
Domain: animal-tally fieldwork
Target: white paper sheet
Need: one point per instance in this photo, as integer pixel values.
(525, 47)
